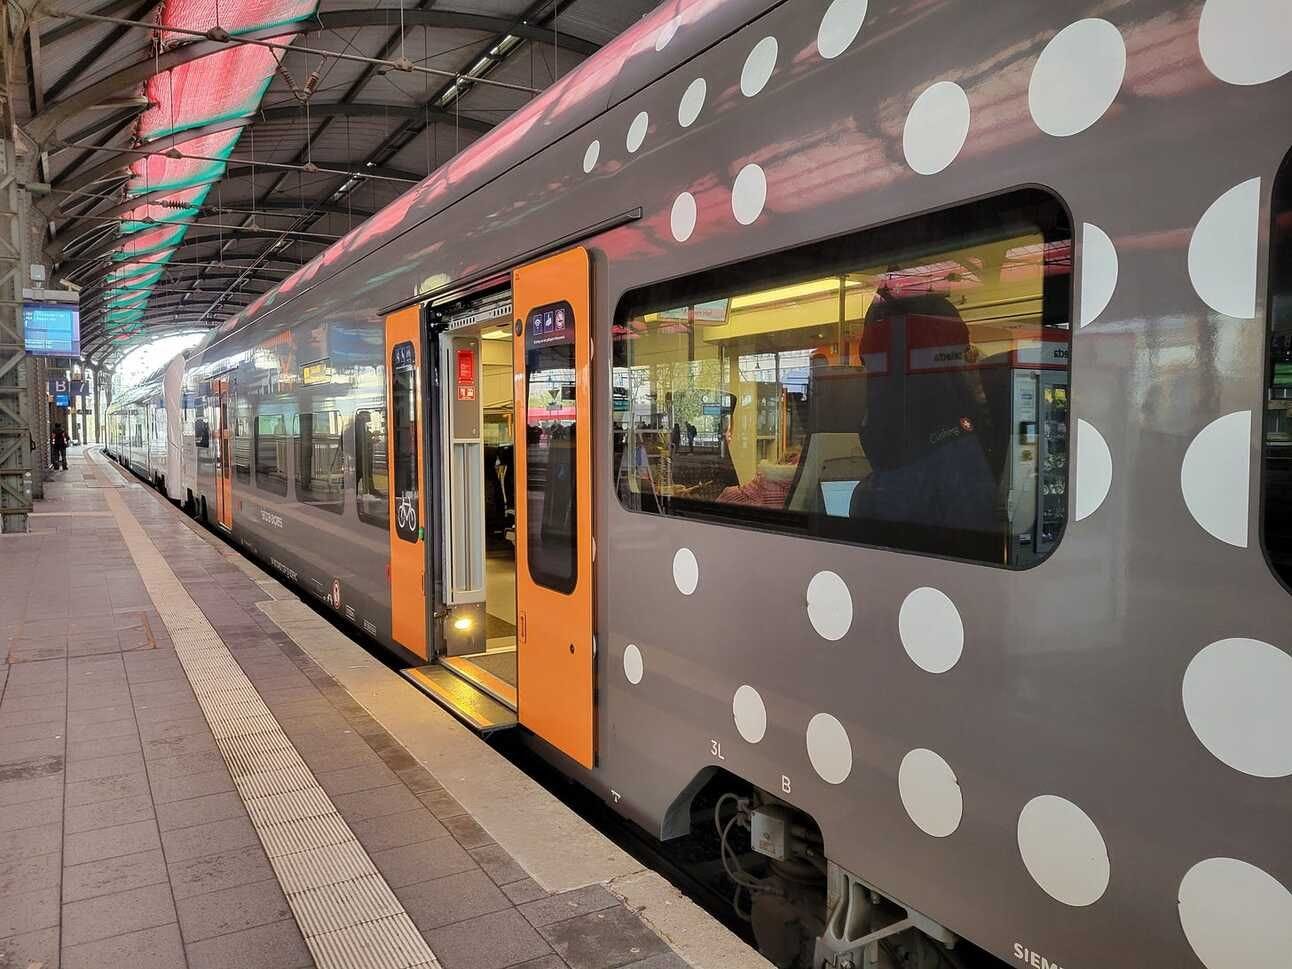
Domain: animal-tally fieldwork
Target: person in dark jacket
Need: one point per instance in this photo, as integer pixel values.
(58, 448)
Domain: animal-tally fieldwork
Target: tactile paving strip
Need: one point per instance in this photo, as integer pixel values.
(349, 916)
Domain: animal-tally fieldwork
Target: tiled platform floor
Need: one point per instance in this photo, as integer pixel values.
(123, 840)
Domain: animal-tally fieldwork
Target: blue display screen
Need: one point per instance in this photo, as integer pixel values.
(52, 329)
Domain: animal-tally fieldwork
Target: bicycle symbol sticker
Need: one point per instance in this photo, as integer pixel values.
(406, 514)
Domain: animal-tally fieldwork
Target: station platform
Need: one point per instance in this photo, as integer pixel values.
(196, 770)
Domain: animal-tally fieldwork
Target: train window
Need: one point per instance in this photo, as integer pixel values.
(320, 477)
(905, 387)
(201, 433)
(371, 476)
(550, 478)
(271, 453)
(403, 395)
(242, 448)
(1277, 517)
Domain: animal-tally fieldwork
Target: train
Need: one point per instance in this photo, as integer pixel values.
(849, 434)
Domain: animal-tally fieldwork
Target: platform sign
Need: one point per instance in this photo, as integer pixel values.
(51, 329)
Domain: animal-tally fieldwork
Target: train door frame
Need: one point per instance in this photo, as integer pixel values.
(222, 390)
(460, 585)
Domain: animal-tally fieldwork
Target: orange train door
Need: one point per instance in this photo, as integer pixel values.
(404, 369)
(224, 466)
(553, 398)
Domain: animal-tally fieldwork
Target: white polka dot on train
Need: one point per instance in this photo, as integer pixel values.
(829, 605)
(637, 132)
(829, 748)
(1246, 41)
(686, 571)
(1094, 470)
(750, 714)
(688, 109)
(936, 128)
(931, 630)
(758, 67)
(1077, 77)
(1098, 272)
(666, 34)
(682, 219)
(1215, 475)
(1234, 914)
(749, 194)
(840, 26)
(1236, 701)
(930, 792)
(1063, 851)
(590, 156)
(633, 668)
(1222, 251)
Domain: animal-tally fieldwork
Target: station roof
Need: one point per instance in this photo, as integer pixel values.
(200, 151)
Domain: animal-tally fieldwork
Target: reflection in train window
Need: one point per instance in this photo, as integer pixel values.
(320, 466)
(271, 453)
(403, 398)
(905, 387)
(1277, 524)
(201, 433)
(242, 448)
(372, 480)
(551, 511)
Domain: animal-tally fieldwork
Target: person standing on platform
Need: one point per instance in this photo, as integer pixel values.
(58, 447)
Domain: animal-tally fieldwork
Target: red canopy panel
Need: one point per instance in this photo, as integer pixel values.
(219, 87)
(235, 16)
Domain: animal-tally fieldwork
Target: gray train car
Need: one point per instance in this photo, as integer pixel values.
(854, 430)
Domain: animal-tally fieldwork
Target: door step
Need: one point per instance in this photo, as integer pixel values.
(484, 680)
(479, 711)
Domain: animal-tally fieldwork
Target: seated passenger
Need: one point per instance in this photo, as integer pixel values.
(769, 487)
(931, 481)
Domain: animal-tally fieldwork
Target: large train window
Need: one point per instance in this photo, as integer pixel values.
(320, 473)
(403, 396)
(1277, 518)
(271, 453)
(371, 476)
(904, 387)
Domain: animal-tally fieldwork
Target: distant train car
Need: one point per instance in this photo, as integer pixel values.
(848, 430)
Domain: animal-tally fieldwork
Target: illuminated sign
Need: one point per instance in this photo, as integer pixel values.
(52, 329)
(316, 373)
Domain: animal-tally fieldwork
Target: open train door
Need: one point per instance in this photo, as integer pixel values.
(404, 401)
(552, 375)
(224, 465)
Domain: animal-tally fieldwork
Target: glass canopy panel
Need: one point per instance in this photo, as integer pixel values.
(219, 87)
(158, 173)
(235, 16)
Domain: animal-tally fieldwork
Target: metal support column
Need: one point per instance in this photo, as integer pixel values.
(17, 483)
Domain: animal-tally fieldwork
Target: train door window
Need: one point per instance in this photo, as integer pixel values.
(271, 453)
(201, 432)
(1276, 522)
(551, 512)
(242, 448)
(904, 387)
(404, 427)
(320, 478)
(371, 476)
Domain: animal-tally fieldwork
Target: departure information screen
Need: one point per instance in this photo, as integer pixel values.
(52, 329)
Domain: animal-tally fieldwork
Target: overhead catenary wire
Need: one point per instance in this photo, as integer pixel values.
(221, 36)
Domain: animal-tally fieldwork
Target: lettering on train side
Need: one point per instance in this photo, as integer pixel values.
(290, 573)
(269, 518)
(369, 628)
(1034, 959)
